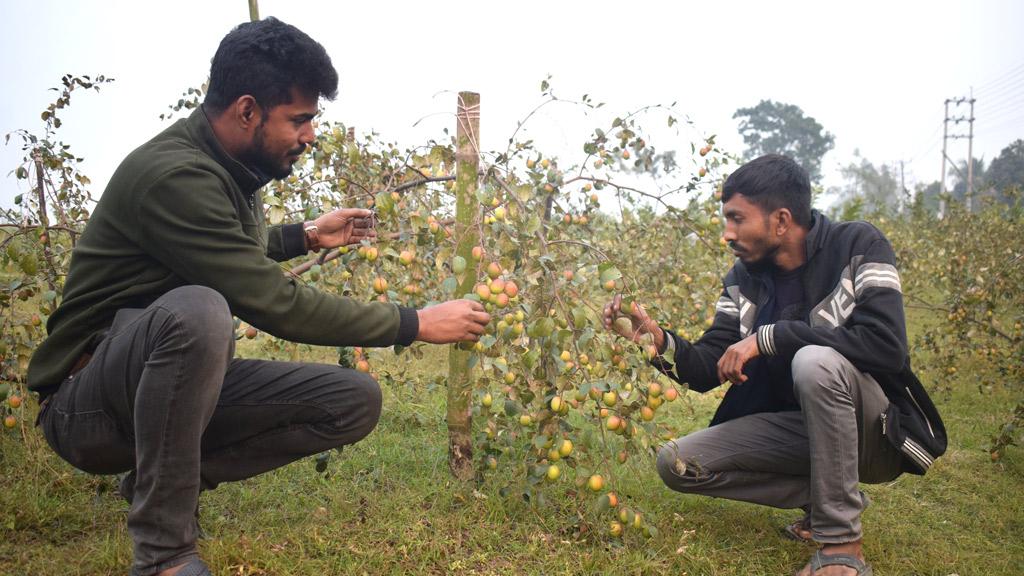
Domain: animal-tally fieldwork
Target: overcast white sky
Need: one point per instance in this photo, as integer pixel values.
(874, 73)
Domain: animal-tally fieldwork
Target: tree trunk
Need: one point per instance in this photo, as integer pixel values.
(460, 386)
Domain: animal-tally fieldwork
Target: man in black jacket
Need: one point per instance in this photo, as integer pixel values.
(810, 331)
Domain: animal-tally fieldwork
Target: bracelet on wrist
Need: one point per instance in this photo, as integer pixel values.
(312, 237)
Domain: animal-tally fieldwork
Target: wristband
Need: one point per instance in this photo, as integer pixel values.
(312, 237)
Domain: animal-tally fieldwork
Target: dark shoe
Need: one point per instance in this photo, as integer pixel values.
(126, 488)
(194, 567)
(820, 560)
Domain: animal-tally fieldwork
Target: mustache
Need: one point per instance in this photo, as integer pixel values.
(297, 151)
(733, 246)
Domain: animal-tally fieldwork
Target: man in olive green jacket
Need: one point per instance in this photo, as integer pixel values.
(137, 374)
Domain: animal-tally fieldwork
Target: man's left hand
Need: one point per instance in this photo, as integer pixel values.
(345, 227)
(730, 365)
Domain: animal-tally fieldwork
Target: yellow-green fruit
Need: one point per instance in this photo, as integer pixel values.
(554, 472)
(556, 404)
(595, 483)
(610, 398)
(525, 420)
(565, 448)
(623, 325)
(487, 400)
(615, 529)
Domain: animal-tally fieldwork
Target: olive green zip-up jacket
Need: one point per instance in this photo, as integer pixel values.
(180, 211)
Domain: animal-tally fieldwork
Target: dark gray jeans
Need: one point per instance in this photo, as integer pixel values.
(163, 395)
(810, 459)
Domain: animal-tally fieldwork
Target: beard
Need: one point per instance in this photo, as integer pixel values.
(758, 254)
(266, 162)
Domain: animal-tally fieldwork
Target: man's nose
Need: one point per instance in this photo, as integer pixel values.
(307, 135)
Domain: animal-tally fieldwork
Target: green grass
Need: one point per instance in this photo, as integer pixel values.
(389, 506)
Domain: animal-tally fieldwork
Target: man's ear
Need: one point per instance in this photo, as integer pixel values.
(783, 221)
(247, 112)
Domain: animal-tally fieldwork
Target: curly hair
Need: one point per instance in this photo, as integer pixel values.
(267, 59)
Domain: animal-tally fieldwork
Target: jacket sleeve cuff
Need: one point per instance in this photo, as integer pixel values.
(293, 240)
(408, 326)
(766, 340)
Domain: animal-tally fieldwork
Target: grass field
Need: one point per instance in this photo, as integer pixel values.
(389, 506)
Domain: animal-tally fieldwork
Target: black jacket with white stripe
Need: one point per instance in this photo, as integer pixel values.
(855, 305)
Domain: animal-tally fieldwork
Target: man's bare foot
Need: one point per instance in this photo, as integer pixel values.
(854, 549)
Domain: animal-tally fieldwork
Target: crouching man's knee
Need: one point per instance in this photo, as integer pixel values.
(676, 471)
(816, 368)
(359, 408)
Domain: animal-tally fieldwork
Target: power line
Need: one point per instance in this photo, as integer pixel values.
(991, 84)
(1012, 94)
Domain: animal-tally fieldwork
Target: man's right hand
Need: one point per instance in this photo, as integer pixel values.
(640, 324)
(453, 321)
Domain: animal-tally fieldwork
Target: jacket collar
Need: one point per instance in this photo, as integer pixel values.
(816, 235)
(248, 179)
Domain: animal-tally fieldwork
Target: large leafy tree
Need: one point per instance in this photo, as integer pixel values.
(1007, 169)
(878, 187)
(780, 128)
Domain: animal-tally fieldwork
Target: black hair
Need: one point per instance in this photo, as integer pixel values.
(771, 182)
(266, 59)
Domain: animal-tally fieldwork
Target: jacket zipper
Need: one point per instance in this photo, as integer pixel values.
(923, 415)
(883, 424)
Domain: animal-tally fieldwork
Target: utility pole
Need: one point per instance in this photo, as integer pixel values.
(956, 102)
(942, 178)
(903, 188)
(970, 156)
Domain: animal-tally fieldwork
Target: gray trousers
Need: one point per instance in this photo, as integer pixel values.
(811, 459)
(164, 396)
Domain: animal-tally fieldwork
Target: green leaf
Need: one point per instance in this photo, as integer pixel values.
(275, 214)
(541, 328)
(29, 264)
(608, 271)
(533, 224)
(585, 337)
(579, 317)
(540, 440)
(21, 173)
(384, 203)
